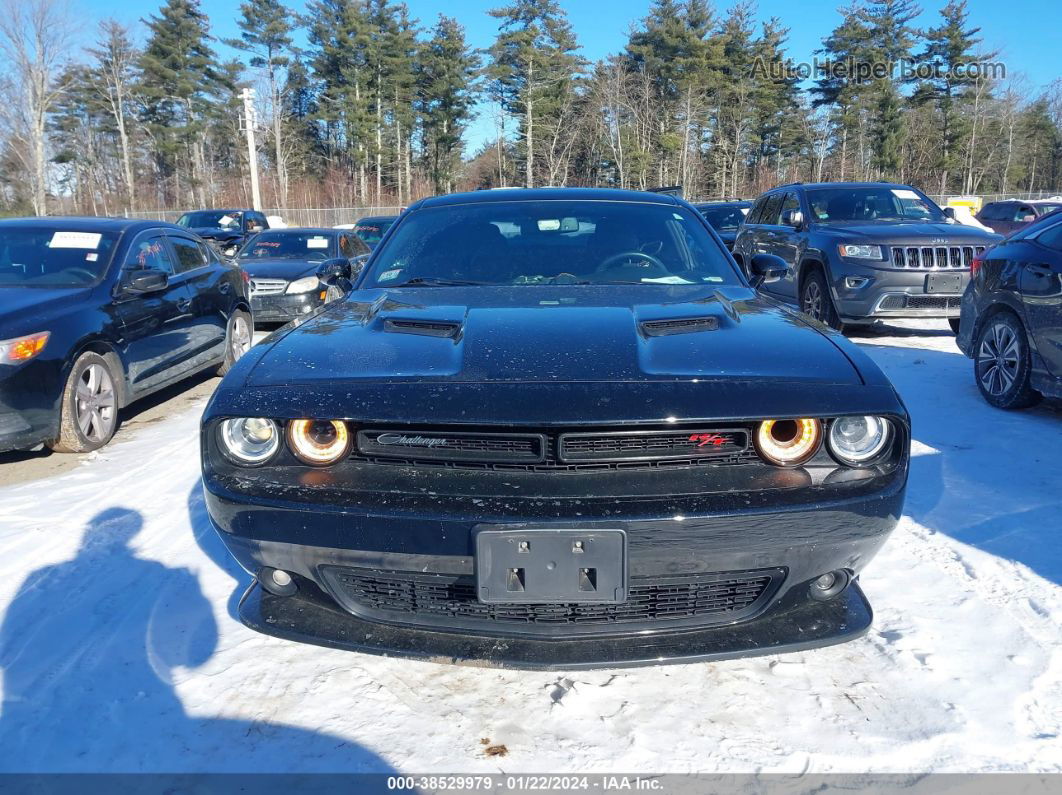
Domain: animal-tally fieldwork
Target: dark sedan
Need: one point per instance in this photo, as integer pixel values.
(284, 267)
(226, 230)
(97, 313)
(556, 428)
(1011, 323)
(371, 229)
(725, 217)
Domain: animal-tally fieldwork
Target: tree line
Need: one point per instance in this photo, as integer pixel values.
(360, 104)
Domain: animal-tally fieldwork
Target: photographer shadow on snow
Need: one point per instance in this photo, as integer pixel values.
(87, 649)
(986, 477)
(213, 547)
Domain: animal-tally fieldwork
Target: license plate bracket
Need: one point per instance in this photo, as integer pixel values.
(944, 283)
(546, 566)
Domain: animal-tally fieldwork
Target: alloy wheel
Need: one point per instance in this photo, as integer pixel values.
(95, 403)
(241, 337)
(998, 359)
(813, 300)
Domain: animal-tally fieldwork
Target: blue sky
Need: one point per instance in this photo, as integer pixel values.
(1027, 39)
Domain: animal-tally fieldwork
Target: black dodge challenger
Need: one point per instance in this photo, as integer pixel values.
(556, 428)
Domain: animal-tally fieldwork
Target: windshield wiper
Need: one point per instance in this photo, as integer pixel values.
(431, 281)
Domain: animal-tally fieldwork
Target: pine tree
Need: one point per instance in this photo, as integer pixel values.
(446, 70)
(180, 82)
(534, 64)
(266, 28)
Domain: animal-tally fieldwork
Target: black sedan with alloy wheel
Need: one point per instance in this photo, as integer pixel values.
(97, 313)
(556, 428)
(1011, 322)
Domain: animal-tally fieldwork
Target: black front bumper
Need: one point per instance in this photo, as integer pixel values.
(312, 617)
(283, 308)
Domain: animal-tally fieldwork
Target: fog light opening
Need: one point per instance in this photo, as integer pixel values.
(830, 584)
(277, 581)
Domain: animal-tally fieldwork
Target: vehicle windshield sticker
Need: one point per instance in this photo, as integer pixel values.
(92, 256)
(744, 210)
(387, 276)
(666, 280)
(905, 194)
(548, 224)
(317, 242)
(225, 220)
(75, 240)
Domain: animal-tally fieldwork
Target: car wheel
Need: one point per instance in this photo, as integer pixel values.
(238, 339)
(88, 412)
(816, 302)
(1001, 363)
(954, 323)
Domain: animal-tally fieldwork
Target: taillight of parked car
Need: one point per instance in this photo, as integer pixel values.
(22, 349)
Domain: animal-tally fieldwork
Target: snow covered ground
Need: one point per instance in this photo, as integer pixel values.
(120, 651)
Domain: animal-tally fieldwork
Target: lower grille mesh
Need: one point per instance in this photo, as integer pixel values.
(435, 598)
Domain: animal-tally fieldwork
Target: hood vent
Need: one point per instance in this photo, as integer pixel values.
(426, 328)
(681, 325)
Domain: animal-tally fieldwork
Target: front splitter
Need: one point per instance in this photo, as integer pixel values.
(312, 617)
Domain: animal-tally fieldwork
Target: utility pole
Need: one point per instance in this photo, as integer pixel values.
(247, 121)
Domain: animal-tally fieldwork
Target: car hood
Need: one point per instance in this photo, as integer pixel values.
(554, 334)
(289, 269)
(921, 234)
(26, 310)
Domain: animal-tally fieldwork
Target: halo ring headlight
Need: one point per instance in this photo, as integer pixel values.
(788, 443)
(859, 441)
(319, 442)
(249, 441)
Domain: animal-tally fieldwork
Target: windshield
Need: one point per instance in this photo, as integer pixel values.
(1044, 209)
(210, 218)
(551, 242)
(48, 257)
(312, 246)
(372, 231)
(866, 205)
(725, 217)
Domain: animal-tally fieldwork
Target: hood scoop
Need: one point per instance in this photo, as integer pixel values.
(679, 325)
(425, 328)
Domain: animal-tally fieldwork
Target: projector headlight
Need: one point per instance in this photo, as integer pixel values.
(859, 441)
(861, 252)
(305, 285)
(249, 441)
(788, 443)
(318, 442)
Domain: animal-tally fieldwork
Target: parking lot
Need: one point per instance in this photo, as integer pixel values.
(118, 607)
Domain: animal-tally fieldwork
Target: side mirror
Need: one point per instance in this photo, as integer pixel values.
(357, 265)
(793, 218)
(767, 268)
(332, 270)
(148, 280)
(254, 228)
(950, 212)
(1026, 219)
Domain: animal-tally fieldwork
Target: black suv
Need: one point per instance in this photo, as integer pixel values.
(862, 251)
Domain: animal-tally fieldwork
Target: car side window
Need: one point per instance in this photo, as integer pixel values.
(346, 249)
(773, 209)
(149, 252)
(791, 202)
(188, 253)
(757, 209)
(1051, 238)
(1024, 213)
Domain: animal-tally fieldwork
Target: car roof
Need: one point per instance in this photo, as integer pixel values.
(723, 203)
(546, 194)
(90, 223)
(807, 185)
(222, 210)
(316, 230)
(371, 218)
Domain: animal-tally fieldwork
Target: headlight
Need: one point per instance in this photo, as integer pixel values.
(861, 252)
(788, 443)
(318, 442)
(304, 285)
(250, 441)
(22, 349)
(857, 441)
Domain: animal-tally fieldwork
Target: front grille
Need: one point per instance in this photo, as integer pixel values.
(934, 257)
(553, 451)
(260, 287)
(920, 302)
(450, 600)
